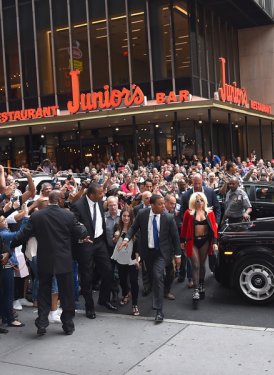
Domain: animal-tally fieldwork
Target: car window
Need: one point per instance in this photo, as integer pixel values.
(247, 189)
(265, 194)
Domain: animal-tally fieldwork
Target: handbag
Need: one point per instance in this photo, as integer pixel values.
(21, 269)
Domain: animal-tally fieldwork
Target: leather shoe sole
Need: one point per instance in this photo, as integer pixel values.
(170, 297)
(90, 314)
(3, 330)
(68, 332)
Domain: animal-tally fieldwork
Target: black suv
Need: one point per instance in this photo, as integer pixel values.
(261, 196)
(246, 259)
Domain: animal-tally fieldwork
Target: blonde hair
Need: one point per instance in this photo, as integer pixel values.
(192, 202)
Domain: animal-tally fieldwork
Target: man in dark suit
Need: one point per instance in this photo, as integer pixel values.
(54, 229)
(89, 211)
(212, 202)
(159, 238)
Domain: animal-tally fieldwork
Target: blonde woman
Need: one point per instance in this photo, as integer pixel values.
(199, 238)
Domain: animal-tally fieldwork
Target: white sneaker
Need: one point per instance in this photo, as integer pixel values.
(17, 305)
(54, 317)
(59, 311)
(25, 302)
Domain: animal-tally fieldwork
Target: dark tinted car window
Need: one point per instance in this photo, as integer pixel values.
(265, 194)
(247, 189)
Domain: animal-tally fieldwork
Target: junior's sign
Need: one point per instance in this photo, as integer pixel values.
(236, 95)
(103, 99)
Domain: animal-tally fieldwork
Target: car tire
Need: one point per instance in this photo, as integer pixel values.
(254, 280)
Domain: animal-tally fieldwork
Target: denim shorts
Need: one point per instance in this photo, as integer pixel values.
(54, 286)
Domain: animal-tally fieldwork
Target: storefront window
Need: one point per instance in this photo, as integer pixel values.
(61, 41)
(99, 48)
(118, 42)
(44, 47)
(11, 49)
(182, 47)
(80, 54)
(139, 42)
(27, 51)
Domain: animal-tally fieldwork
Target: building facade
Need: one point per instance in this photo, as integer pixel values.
(159, 45)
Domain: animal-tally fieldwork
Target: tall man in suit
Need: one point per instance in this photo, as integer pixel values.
(89, 211)
(212, 202)
(159, 238)
(54, 229)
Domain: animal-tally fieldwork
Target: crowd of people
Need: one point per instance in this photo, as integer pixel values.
(125, 227)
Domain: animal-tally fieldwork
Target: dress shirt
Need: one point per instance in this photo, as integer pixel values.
(150, 228)
(98, 230)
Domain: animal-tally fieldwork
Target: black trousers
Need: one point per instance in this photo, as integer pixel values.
(131, 272)
(97, 255)
(169, 277)
(66, 296)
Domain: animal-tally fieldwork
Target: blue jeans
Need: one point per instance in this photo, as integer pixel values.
(6, 295)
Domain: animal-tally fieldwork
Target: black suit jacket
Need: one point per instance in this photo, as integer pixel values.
(82, 212)
(212, 202)
(168, 236)
(54, 229)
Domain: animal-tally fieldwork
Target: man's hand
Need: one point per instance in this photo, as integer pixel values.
(87, 240)
(5, 258)
(7, 206)
(25, 171)
(123, 244)
(246, 217)
(215, 247)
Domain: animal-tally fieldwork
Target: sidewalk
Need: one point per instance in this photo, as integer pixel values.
(119, 344)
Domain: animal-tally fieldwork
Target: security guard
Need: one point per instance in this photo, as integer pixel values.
(237, 204)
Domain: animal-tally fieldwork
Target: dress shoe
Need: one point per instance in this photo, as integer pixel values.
(159, 316)
(109, 306)
(68, 332)
(41, 331)
(170, 296)
(3, 330)
(90, 314)
(146, 292)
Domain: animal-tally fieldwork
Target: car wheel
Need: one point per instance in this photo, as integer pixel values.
(254, 279)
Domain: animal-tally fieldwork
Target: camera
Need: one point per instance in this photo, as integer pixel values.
(85, 183)
(69, 177)
(14, 199)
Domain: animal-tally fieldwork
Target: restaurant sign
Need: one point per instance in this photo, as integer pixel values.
(236, 95)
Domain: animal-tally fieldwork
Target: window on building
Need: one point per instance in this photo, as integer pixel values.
(99, 47)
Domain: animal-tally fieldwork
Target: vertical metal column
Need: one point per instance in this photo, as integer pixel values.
(19, 54)
(108, 45)
(53, 53)
(149, 51)
(135, 143)
(30, 151)
(128, 45)
(80, 146)
(177, 143)
(272, 141)
(172, 45)
(230, 135)
(261, 138)
(4, 56)
(210, 131)
(246, 136)
(70, 37)
(89, 47)
(203, 140)
(36, 53)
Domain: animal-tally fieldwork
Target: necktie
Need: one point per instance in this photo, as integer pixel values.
(94, 217)
(155, 233)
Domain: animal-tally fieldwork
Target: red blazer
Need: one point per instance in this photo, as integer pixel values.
(187, 231)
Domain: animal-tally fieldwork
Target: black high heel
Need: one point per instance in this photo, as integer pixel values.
(195, 299)
(202, 290)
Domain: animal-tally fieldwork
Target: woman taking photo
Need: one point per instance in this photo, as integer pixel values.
(127, 260)
(199, 234)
